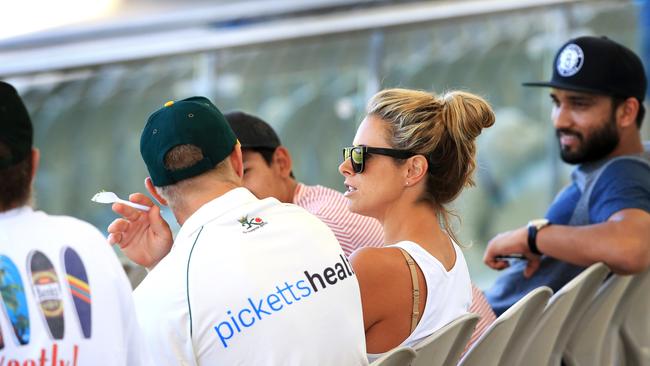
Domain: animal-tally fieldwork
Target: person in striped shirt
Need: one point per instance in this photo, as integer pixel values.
(268, 173)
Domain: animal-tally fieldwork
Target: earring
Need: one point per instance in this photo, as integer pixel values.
(407, 183)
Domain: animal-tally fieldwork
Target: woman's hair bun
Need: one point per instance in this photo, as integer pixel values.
(465, 114)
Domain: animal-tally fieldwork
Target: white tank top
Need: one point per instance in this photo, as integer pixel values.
(449, 293)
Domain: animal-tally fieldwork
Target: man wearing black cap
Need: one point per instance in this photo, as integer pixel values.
(597, 90)
(64, 293)
(247, 281)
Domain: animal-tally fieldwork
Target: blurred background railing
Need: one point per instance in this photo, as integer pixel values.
(307, 67)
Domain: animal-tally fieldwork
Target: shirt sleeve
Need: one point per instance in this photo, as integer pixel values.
(623, 184)
(162, 313)
(352, 231)
(136, 353)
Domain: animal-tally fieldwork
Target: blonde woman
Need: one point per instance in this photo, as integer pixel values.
(412, 155)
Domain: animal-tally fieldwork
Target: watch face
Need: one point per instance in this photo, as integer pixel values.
(538, 223)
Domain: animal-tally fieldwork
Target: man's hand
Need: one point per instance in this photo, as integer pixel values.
(144, 237)
(511, 242)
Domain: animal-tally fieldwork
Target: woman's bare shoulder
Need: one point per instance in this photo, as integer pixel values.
(376, 265)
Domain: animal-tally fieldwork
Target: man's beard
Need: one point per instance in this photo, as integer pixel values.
(600, 143)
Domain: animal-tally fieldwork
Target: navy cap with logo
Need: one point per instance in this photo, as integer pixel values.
(252, 131)
(194, 121)
(16, 131)
(597, 65)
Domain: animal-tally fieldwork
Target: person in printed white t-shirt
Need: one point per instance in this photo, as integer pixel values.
(247, 281)
(65, 298)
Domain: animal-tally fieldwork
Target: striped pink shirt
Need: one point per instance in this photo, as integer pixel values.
(481, 307)
(355, 231)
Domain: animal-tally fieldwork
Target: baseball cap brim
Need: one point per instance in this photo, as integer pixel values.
(565, 86)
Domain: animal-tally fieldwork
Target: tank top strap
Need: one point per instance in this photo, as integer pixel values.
(415, 315)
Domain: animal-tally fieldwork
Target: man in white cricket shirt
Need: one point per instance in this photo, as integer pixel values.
(64, 299)
(247, 281)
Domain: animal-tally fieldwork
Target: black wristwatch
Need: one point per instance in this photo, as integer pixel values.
(534, 226)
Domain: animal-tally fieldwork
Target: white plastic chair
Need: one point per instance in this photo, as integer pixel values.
(589, 344)
(548, 340)
(445, 345)
(401, 356)
(632, 320)
(493, 344)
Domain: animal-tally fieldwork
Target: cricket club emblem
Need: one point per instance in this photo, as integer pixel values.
(252, 224)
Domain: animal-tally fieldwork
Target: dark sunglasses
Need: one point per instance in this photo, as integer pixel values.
(358, 155)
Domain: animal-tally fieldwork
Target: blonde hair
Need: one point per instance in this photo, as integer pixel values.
(442, 129)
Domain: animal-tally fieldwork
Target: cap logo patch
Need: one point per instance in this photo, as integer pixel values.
(570, 60)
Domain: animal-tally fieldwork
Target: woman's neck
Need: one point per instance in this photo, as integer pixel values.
(416, 222)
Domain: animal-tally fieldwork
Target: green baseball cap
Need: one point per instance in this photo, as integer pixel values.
(194, 121)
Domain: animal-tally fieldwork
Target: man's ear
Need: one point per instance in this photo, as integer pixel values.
(417, 169)
(282, 161)
(148, 183)
(627, 112)
(236, 160)
(36, 159)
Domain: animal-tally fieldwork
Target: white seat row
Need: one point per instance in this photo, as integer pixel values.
(587, 322)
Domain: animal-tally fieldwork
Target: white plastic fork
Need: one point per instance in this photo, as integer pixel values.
(110, 197)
